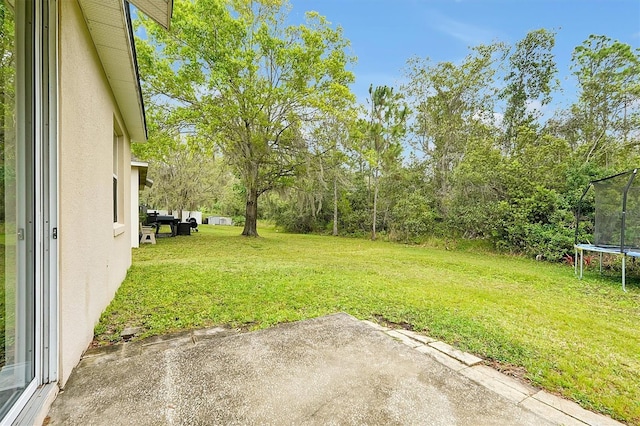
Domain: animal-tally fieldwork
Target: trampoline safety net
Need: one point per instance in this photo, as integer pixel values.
(609, 204)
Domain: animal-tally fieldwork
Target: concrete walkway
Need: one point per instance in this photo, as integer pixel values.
(329, 370)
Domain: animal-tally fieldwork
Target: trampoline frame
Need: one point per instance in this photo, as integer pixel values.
(580, 248)
(616, 250)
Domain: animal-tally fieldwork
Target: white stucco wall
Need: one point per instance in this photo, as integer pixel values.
(92, 260)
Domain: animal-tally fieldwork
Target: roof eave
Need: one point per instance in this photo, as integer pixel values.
(158, 10)
(109, 23)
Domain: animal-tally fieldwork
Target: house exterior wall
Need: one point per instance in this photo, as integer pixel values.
(94, 253)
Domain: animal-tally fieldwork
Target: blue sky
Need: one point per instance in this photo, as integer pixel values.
(385, 33)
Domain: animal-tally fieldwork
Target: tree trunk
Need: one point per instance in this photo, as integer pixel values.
(375, 207)
(335, 206)
(251, 215)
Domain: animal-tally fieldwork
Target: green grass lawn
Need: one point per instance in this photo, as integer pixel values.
(579, 339)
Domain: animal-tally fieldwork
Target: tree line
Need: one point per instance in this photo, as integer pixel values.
(244, 107)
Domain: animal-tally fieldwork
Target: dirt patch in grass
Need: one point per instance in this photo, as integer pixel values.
(388, 323)
(511, 370)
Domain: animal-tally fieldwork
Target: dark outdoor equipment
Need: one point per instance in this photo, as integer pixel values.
(184, 228)
(157, 220)
(193, 223)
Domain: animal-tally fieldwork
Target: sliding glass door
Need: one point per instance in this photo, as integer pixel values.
(17, 259)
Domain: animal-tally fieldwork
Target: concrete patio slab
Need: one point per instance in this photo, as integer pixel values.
(329, 370)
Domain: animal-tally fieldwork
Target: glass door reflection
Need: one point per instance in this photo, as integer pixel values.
(17, 303)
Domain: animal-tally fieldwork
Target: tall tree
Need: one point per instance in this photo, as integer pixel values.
(237, 73)
(385, 127)
(332, 145)
(530, 80)
(304, 206)
(608, 107)
(451, 103)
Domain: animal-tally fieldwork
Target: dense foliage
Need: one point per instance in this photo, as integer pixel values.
(484, 156)
(476, 149)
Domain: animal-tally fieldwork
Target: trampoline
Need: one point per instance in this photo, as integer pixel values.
(617, 220)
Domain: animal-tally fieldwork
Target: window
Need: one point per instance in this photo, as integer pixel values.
(118, 176)
(115, 178)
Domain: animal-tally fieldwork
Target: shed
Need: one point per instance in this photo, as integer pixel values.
(219, 220)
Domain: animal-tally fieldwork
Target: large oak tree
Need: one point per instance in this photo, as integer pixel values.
(235, 72)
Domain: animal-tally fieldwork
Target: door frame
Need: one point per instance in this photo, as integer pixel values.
(42, 170)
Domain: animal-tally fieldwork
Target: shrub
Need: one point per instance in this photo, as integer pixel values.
(412, 218)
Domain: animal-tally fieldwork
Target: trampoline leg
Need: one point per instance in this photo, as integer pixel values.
(581, 262)
(624, 267)
(600, 263)
(575, 263)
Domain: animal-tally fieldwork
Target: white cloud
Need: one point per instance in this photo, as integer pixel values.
(534, 106)
(498, 119)
(467, 33)
(490, 118)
